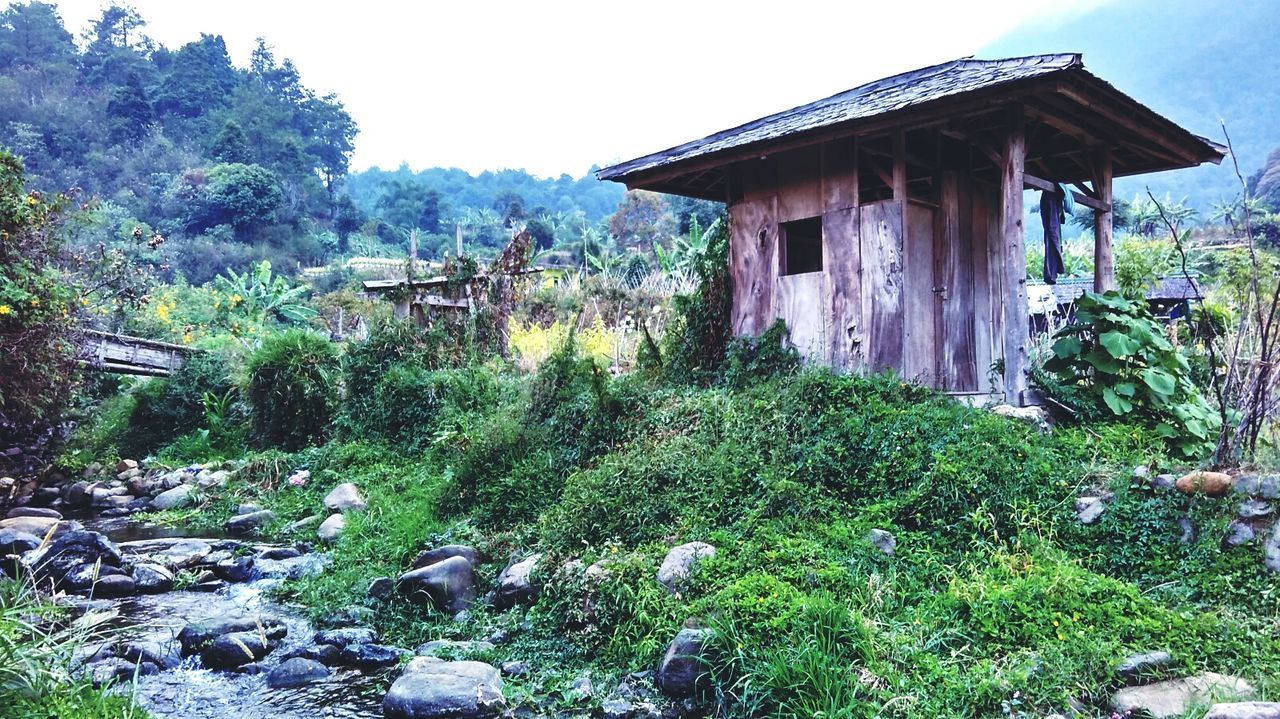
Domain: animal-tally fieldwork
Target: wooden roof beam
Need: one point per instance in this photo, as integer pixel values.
(1035, 183)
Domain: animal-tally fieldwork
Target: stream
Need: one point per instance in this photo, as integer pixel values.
(192, 692)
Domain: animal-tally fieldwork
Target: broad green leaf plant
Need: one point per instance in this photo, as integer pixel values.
(1115, 354)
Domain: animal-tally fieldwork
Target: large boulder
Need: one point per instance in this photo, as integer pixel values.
(515, 585)
(1164, 700)
(1244, 710)
(71, 550)
(296, 672)
(370, 656)
(235, 649)
(448, 585)
(345, 637)
(196, 636)
(679, 563)
(235, 569)
(332, 528)
(40, 526)
(345, 498)
(44, 512)
(683, 671)
(1146, 664)
(439, 554)
(179, 496)
(249, 523)
(434, 689)
(184, 554)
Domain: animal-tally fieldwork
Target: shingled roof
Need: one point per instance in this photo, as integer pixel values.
(927, 86)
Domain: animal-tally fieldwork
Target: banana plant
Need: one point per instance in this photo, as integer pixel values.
(260, 295)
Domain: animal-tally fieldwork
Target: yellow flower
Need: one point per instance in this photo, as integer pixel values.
(186, 338)
(5, 310)
(35, 302)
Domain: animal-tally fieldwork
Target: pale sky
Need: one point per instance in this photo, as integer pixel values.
(555, 87)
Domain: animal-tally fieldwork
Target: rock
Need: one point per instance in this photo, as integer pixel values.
(431, 556)
(683, 671)
(1253, 509)
(680, 561)
(39, 526)
(248, 523)
(1035, 416)
(113, 585)
(436, 647)
(1090, 508)
(1271, 549)
(515, 584)
(207, 480)
(185, 554)
(248, 508)
(33, 512)
(76, 494)
(341, 638)
(125, 465)
(235, 649)
(345, 498)
(1140, 472)
(1211, 484)
(71, 550)
(1163, 482)
(1188, 529)
(235, 569)
(82, 577)
(296, 672)
(582, 688)
(1238, 533)
(15, 542)
(326, 654)
(617, 709)
(381, 588)
(431, 689)
(195, 636)
(1164, 700)
(884, 541)
(162, 654)
(1244, 710)
(111, 669)
(1265, 487)
(370, 656)
(1145, 664)
(449, 585)
(179, 496)
(513, 669)
(331, 528)
(152, 578)
(303, 524)
(278, 553)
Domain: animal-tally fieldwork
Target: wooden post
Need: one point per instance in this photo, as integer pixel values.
(1104, 266)
(1016, 312)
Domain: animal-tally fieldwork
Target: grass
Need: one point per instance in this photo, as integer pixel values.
(37, 675)
(997, 601)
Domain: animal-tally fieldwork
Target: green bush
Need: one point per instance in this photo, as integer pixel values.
(168, 407)
(1115, 360)
(410, 404)
(292, 389)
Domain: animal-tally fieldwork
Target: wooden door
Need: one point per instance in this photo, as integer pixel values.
(801, 304)
(959, 311)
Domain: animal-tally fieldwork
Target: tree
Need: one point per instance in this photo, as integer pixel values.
(642, 219)
(200, 78)
(408, 204)
(239, 195)
(129, 111)
(511, 205)
(231, 144)
(32, 35)
(544, 236)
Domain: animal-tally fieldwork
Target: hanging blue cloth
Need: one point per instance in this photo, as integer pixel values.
(1052, 215)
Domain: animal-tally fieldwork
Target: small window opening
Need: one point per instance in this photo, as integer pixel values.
(801, 246)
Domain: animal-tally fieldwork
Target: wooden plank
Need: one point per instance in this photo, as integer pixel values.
(840, 175)
(881, 234)
(1014, 260)
(842, 265)
(800, 304)
(958, 366)
(1104, 264)
(799, 184)
(984, 331)
(920, 302)
(1036, 183)
(753, 240)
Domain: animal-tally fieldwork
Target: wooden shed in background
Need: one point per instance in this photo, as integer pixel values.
(884, 224)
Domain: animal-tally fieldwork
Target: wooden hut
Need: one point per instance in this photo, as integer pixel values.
(884, 224)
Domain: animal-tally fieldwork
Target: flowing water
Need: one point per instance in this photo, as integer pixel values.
(191, 692)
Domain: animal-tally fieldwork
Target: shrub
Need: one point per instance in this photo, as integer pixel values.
(176, 405)
(411, 404)
(1115, 357)
(292, 389)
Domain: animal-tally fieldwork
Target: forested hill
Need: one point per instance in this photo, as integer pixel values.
(230, 164)
(373, 189)
(1195, 62)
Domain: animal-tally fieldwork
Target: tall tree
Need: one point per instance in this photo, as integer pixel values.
(200, 78)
